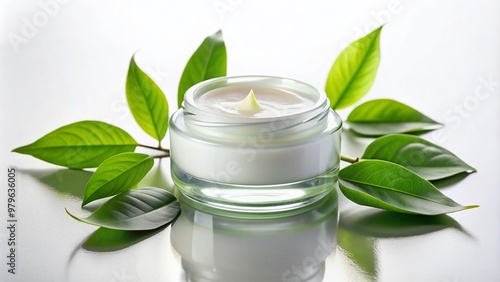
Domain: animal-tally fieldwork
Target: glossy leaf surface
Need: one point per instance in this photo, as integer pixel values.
(139, 209)
(426, 159)
(208, 61)
(354, 71)
(392, 187)
(117, 174)
(81, 144)
(147, 102)
(385, 116)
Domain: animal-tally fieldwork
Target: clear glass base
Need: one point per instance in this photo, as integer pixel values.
(254, 198)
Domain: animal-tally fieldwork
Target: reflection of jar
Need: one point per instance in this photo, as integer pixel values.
(219, 248)
(281, 156)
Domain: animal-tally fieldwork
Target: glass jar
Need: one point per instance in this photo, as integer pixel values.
(252, 163)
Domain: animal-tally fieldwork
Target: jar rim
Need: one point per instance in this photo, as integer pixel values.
(196, 91)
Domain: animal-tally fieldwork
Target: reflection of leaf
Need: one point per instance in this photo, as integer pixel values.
(80, 145)
(384, 116)
(65, 181)
(382, 224)
(117, 174)
(449, 181)
(392, 187)
(139, 209)
(416, 154)
(360, 250)
(156, 177)
(107, 240)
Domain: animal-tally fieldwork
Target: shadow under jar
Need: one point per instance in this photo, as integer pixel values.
(255, 144)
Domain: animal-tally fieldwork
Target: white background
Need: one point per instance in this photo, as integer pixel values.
(67, 61)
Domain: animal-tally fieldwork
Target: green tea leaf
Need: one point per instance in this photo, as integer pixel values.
(81, 144)
(117, 174)
(385, 116)
(392, 187)
(139, 209)
(353, 73)
(426, 159)
(108, 240)
(146, 102)
(208, 61)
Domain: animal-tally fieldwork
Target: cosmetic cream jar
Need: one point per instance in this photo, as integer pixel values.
(255, 144)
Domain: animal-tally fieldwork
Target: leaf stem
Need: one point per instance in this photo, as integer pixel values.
(349, 159)
(161, 156)
(159, 148)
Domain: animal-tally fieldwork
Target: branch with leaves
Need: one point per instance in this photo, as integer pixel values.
(394, 172)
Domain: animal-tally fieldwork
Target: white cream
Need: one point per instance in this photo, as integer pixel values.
(265, 103)
(249, 104)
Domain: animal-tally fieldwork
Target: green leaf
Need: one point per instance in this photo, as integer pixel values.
(108, 240)
(139, 209)
(117, 174)
(385, 116)
(426, 159)
(392, 187)
(353, 73)
(208, 61)
(146, 102)
(81, 144)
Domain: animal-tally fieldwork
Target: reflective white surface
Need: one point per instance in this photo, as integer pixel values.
(441, 57)
(292, 248)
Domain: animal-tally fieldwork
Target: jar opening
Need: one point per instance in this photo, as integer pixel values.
(293, 110)
(212, 100)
